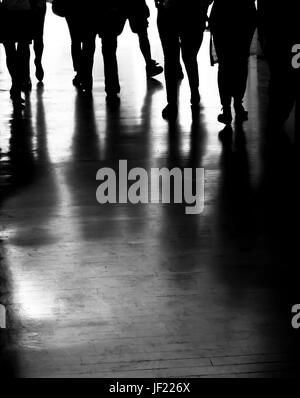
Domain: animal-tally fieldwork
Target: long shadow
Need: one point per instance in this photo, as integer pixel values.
(256, 242)
(182, 237)
(123, 138)
(19, 171)
(27, 162)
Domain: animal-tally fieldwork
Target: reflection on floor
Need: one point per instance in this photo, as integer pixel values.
(124, 290)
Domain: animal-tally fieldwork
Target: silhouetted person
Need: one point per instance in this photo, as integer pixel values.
(80, 17)
(181, 25)
(279, 32)
(17, 35)
(233, 23)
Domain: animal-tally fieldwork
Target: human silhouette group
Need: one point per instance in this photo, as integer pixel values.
(181, 25)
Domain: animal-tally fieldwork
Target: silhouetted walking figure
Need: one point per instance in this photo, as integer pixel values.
(233, 24)
(81, 20)
(17, 17)
(181, 25)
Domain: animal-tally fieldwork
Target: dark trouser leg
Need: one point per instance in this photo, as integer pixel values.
(76, 55)
(109, 51)
(171, 48)
(190, 49)
(225, 82)
(75, 43)
(11, 59)
(12, 66)
(23, 54)
(38, 46)
(38, 42)
(240, 62)
(145, 46)
(240, 80)
(225, 73)
(87, 59)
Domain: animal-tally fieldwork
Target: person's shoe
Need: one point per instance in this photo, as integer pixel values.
(240, 113)
(112, 99)
(18, 105)
(153, 69)
(26, 85)
(39, 71)
(86, 87)
(76, 81)
(170, 112)
(17, 101)
(86, 90)
(225, 117)
(195, 99)
(15, 95)
(225, 136)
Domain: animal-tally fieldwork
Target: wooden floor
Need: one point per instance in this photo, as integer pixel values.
(140, 291)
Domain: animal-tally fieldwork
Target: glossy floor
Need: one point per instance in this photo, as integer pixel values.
(142, 290)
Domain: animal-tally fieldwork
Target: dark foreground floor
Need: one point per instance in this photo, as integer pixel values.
(145, 290)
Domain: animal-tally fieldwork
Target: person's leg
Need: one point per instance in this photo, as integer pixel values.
(240, 71)
(88, 52)
(164, 26)
(171, 48)
(23, 54)
(152, 67)
(38, 43)
(76, 47)
(240, 78)
(225, 75)
(145, 45)
(11, 58)
(109, 51)
(139, 25)
(225, 89)
(190, 45)
(12, 62)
